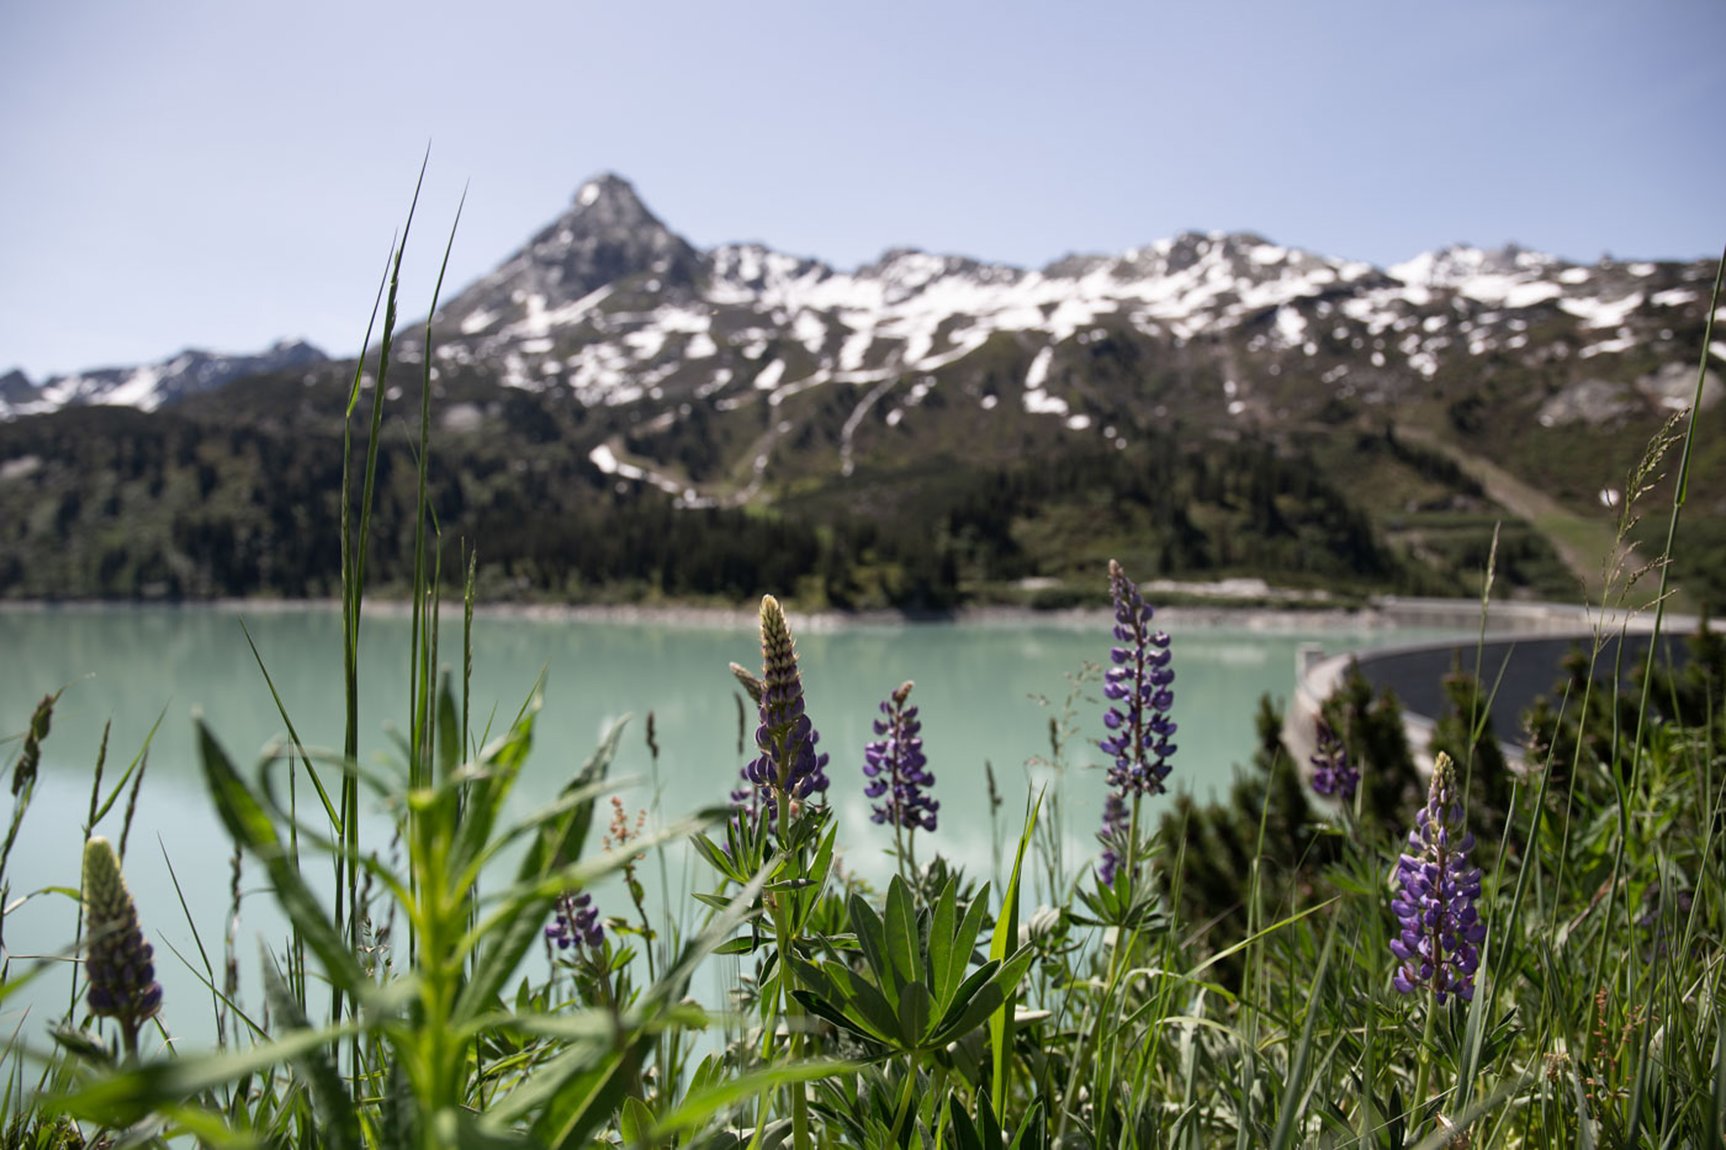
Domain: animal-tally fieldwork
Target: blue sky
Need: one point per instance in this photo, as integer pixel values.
(218, 174)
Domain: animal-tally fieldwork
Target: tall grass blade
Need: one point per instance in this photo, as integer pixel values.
(1001, 944)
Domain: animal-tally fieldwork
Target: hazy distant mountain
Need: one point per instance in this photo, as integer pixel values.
(190, 372)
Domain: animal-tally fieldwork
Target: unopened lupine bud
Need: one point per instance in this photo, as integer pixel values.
(119, 964)
(788, 764)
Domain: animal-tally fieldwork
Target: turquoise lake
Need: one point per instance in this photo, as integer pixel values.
(978, 686)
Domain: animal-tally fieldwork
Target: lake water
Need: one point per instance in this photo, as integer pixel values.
(976, 684)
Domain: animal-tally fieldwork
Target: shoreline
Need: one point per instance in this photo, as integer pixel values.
(1386, 613)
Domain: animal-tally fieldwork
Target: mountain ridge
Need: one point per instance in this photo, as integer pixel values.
(607, 348)
(607, 236)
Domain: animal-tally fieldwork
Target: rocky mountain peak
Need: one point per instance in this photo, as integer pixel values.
(15, 387)
(606, 237)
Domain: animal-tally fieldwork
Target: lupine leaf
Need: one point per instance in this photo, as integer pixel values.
(942, 942)
(871, 937)
(964, 942)
(914, 1010)
(901, 934)
(988, 997)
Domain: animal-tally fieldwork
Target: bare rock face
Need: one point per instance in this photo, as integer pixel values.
(1593, 401)
(1673, 387)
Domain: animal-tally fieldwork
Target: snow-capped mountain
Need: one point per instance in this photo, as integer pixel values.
(610, 304)
(1214, 402)
(152, 386)
(608, 308)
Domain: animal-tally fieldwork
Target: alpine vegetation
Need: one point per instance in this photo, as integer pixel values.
(1441, 928)
(119, 964)
(1233, 974)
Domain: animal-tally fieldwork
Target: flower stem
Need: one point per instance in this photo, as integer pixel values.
(1424, 1074)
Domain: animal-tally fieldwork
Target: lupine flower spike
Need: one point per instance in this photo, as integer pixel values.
(1138, 686)
(119, 964)
(576, 923)
(788, 764)
(896, 769)
(1439, 943)
(1333, 774)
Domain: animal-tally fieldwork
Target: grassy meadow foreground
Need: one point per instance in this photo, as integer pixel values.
(1383, 947)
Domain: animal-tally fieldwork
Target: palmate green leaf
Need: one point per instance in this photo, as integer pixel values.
(577, 1090)
(942, 941)
(824, 1008)
(991, 996)
(717, 859)
(819, 868)
(250, 825)
(949, 975)
(915, 1006)
(839, 995)
(587, 1102)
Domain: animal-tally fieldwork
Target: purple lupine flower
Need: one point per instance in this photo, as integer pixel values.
(119, 963)
(1439, 943)
(896, 768)
(576, 923)
(1333, 772)
(1138, 686)
(788, 762)
(1116, 825)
